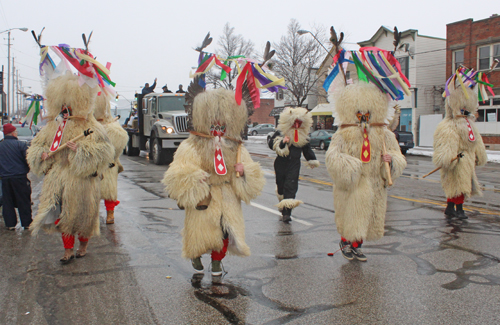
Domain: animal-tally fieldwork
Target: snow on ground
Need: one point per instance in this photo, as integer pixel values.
(257, 139)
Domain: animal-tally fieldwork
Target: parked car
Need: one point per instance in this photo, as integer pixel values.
(25, 134)
(321, 138)
(261, 129)
(405, 140)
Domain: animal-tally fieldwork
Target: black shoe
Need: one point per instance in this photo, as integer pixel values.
(450, 211)
(346, 250)
(358, 254)
(460, 212)
(66, 259)
(286, 218)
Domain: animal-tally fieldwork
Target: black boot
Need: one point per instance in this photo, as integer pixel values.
(460, 212)
(450, 211)
(286, 215)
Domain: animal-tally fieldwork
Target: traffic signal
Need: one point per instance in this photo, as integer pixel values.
(116, 99)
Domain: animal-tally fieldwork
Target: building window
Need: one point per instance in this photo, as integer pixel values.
(489, 111)
(458, 59)
(486, 55)
(405, 66)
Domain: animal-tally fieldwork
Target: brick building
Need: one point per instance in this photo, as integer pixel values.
(261, 114)
(476, 44)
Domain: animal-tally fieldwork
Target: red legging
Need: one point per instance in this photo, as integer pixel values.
(355, 244)
(218, 256)
(457, 199)
(110, 205)
(69, 240)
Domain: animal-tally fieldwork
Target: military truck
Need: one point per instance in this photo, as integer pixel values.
(160, 127)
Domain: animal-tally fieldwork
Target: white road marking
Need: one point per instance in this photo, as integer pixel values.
(135, 162)
(279, 214)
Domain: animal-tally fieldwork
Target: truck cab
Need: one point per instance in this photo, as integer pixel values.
(162, 125)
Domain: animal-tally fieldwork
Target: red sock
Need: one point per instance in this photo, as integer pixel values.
(457, 199)
(357, 244)
(68, 241)
(218, 256)
(110, 205)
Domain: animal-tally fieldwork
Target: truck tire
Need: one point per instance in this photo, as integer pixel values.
(157, 154)
(403, 151)
(131, 151)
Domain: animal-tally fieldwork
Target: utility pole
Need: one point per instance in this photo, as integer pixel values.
(8, 74)
(2, 104)
(17, 92)
(11, 110)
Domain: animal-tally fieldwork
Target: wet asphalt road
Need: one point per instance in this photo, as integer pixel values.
(425, 270)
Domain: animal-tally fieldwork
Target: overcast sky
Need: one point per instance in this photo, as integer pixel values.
(148, 39)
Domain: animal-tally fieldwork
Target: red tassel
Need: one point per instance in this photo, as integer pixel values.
(296, 136)
(239, 84)
(254, 91)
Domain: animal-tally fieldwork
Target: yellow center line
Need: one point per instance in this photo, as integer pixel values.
(423, 201)
(443, 204)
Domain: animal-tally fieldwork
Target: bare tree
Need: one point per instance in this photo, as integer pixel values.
(230, 44)
(297, 58)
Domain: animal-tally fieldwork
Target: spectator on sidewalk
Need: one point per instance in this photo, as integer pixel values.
(147, 89)
(16, 187)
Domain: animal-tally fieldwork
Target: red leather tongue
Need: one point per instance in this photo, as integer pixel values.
(296, 136)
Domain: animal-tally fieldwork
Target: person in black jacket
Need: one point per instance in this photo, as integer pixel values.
(16, 186)
(290, 142)
(147, 89)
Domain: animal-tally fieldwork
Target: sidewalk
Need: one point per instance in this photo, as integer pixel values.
(493, 156)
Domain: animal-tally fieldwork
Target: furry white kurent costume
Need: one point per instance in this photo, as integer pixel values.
(360, 188)
(72, 179)
(214, 220)
(119, 139)
(457, 135)
(290, 141)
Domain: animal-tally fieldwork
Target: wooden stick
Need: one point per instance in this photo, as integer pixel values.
(387, 166)
(436, 169)
(75, 139)
(238, 158)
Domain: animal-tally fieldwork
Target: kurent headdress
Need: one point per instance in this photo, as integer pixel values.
(251, 78)
(373, 65)
(249, 70)
(469, 78)
(90, 72)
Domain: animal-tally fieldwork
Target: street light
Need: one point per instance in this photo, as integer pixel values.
(24, 29)
(303, 31)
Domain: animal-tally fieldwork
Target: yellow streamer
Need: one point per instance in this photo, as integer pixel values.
(398, 78)
(463, 86)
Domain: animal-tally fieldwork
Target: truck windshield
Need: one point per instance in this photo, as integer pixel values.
(168, 104)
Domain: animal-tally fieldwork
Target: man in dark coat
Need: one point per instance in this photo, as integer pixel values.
(147, 89)
(16, 186)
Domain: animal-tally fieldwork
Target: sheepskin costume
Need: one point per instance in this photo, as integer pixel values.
(456, 134)
(72, 179)
(119, 139)
(354, 161)
(212, 199)
(294, 123)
